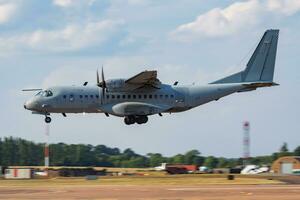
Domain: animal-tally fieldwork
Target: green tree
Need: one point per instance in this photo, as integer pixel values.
(138, 161)
(155, 159)
(284, 148)
(128, 153)
(211, 162)
(177, 159)
(283, 151)
(297, 151)
(57, 154)
(1, 152)
(223, 162)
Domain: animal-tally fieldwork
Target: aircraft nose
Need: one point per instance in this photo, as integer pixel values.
(29, 105)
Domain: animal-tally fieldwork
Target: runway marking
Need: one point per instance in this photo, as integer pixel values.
(258, 187)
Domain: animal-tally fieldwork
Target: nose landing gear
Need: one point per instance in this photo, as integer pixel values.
(47, 119)
(128, 120)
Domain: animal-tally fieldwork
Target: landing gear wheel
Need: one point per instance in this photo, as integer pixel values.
(48, 120)
(141, 119)
(129, 120)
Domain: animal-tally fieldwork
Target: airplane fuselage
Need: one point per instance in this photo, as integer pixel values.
(88, 99)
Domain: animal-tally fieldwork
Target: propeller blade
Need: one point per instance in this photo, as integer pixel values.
(98, 81)
(103, 86)
(103, 79)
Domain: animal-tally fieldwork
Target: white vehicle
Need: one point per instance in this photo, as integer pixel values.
(254, 169)
(162, 167)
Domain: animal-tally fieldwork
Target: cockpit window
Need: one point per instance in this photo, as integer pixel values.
(39, 93)
(46, 93)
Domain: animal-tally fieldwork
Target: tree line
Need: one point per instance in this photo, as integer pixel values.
(20, 152)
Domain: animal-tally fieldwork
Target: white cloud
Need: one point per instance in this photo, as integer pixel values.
(63, 3)
(74, 37)
(6, 12)
(286, 7)
(68, 75)
(125, 67)
(69, 3)
(71, 38)
(77, 73)
(237, 17)
(137, 2)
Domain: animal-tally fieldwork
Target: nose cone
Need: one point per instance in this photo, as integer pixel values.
(29, 105)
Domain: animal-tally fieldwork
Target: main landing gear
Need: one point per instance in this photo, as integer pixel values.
(128, 120)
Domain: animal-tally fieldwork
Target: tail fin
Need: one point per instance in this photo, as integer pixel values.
(260, 67)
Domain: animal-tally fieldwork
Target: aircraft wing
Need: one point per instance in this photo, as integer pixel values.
(145, 78)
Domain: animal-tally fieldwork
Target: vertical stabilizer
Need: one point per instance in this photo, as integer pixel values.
(260, 67)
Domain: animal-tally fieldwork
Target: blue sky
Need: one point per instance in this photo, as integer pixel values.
(63, 42)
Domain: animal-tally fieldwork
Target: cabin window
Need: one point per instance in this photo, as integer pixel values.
(118, 96)
(86, 96)
(140, 96)
(155, 96)
(80, 96)
(65, 96)
(97, 96)
(145, 96)
(92, 96)
(166, 96)
(172, 96)
(150, 96)
(124, 96)
(161, 96)
(112, 96)
(134, 96)
(107, 96)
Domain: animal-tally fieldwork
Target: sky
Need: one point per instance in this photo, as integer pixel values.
(63, 42)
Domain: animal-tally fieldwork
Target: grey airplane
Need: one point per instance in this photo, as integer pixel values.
(143, 95)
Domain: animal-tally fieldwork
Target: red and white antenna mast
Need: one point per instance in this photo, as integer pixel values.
(246, 142)
(46, 150)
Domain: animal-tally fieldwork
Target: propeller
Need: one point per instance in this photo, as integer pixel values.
(101, 84)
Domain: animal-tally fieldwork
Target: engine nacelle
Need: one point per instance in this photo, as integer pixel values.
(115, 84)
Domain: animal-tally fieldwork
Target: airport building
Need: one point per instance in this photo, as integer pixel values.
(287, 165)
(18, 173)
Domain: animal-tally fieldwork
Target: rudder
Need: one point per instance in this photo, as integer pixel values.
(260, 67)
(262, 62)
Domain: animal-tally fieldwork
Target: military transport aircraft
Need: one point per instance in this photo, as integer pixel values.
(143, 94)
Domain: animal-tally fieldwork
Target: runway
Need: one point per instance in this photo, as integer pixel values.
(132, 192)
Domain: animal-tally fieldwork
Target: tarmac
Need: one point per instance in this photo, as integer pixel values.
(134, 192)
